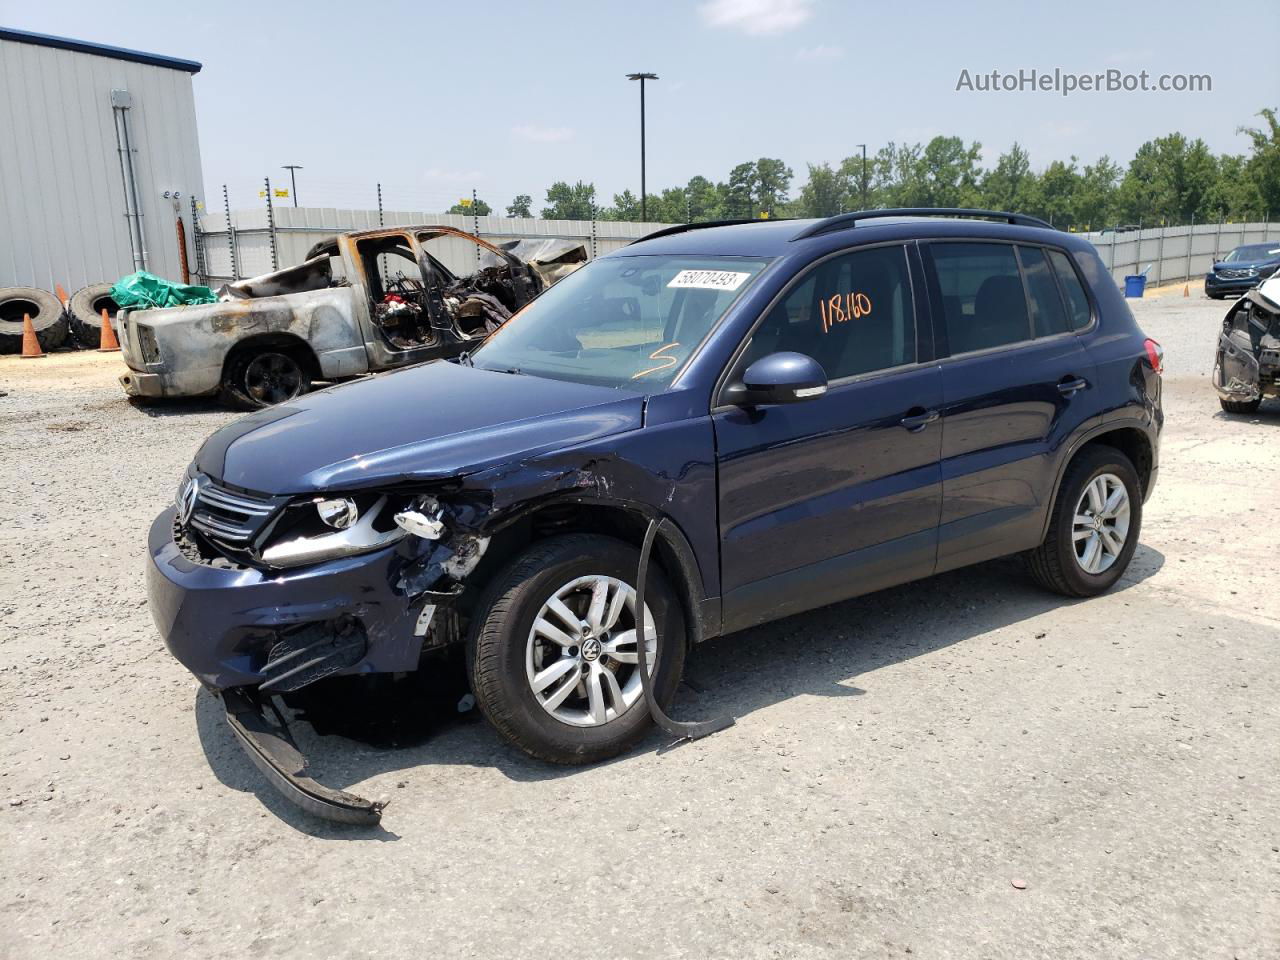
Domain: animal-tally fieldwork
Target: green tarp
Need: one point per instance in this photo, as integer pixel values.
(142, 290)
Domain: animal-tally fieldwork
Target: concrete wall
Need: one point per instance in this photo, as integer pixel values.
(62, 206)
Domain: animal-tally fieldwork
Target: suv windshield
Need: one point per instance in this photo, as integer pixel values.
(1254, 251)
(624, 322)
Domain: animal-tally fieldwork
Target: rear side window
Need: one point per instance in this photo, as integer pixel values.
(852, 313)
(1077, 301)
(1048, 315)
(983, 303)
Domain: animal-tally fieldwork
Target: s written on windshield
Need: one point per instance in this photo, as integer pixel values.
(627, 322)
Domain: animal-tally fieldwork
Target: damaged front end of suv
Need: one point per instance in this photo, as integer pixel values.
(1247, 365)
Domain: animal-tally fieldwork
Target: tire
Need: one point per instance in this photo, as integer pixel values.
(1240, 406)
(85, 308)
(1055, 564)
(46, 316)
(504, 653)
(258, 377)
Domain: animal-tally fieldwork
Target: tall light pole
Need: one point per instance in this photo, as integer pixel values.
(642, 77)
(293, 182)
(864, 173)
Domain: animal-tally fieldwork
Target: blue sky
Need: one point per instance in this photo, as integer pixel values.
(433, 99)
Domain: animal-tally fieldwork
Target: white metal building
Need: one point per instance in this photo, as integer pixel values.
(99, 161)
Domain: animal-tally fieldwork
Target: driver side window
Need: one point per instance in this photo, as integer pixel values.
(852, 313)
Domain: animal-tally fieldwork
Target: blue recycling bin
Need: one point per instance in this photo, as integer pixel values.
(1135, 284)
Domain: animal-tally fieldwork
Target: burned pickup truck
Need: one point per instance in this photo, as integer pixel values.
(359, 302)
(1247, 366)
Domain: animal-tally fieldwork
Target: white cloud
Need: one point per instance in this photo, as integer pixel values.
(452, 176)
(536, 134)
(822, 51)
(756, 17)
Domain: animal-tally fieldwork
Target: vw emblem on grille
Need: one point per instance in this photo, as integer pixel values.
(187, 502)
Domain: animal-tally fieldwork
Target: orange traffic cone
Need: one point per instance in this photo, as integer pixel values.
(30, 343)
(1186, 290)
(107, 342)
(61, 295)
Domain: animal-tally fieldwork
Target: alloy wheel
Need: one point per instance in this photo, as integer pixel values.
(581, 658)
(1101, 523)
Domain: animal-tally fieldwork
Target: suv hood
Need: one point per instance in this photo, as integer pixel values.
(433, 421)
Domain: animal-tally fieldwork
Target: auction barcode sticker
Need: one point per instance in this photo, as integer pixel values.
(708, 279)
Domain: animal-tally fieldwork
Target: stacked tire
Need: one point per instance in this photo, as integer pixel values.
(85, 309)
(46, 316)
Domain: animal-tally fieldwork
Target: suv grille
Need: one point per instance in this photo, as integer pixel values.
(232, 519)
(1232, 273)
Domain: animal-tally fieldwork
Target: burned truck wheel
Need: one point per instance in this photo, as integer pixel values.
(256, 377)
(86, 306)
(1240, 406)
(46, 317)
(555, 659)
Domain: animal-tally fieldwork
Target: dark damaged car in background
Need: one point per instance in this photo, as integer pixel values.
(792, 412)
(358, 303)
(1241, 270)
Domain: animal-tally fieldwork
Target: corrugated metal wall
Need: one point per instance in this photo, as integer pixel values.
(1177, 253)
(62, 208)
(298, 228)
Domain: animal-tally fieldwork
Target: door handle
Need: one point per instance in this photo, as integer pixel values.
(918, 421)
(1068, 387)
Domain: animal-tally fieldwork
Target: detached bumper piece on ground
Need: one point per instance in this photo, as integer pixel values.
(264, 734)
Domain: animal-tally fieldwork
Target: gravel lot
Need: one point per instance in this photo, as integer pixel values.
(902, 766)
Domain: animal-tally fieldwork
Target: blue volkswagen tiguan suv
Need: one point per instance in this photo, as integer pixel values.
(809, 410)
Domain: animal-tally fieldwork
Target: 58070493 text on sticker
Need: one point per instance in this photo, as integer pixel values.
(843, 307)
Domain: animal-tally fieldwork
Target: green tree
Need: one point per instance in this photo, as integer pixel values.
(772, 183)
(1234, 194)
(1011, 184)
(1059, 185)
(566, 202)
(826, 193)
(1168, 180)
(477, 209)
(740, 196)
(626, 206)
(521, 206)
(1263, 165)
(1095, 200)
(704, 200)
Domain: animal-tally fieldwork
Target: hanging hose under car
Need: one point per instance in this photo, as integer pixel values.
(681, 731)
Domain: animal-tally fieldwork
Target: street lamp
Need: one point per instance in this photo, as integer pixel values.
(642, 77)
(293, 183)
(864, 173)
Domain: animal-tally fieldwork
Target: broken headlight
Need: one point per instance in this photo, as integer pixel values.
(325, 528)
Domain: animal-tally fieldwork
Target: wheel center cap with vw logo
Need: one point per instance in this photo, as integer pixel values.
(591, 649)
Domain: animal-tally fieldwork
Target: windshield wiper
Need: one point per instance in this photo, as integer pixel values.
(464, 358)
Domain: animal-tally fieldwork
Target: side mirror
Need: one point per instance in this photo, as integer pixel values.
(779, 378)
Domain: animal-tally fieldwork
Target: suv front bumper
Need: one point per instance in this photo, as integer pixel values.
(221, 622)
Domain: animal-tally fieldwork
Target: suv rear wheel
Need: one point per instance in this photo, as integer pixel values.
(1094, 527)
(554, 649)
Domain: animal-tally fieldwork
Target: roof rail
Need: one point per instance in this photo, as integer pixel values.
(685, 227)
(844, 221)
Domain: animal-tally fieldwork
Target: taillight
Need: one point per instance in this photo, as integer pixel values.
(1155, 355)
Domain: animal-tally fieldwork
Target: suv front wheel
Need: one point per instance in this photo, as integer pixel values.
(554, 653)
(1094, 528)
